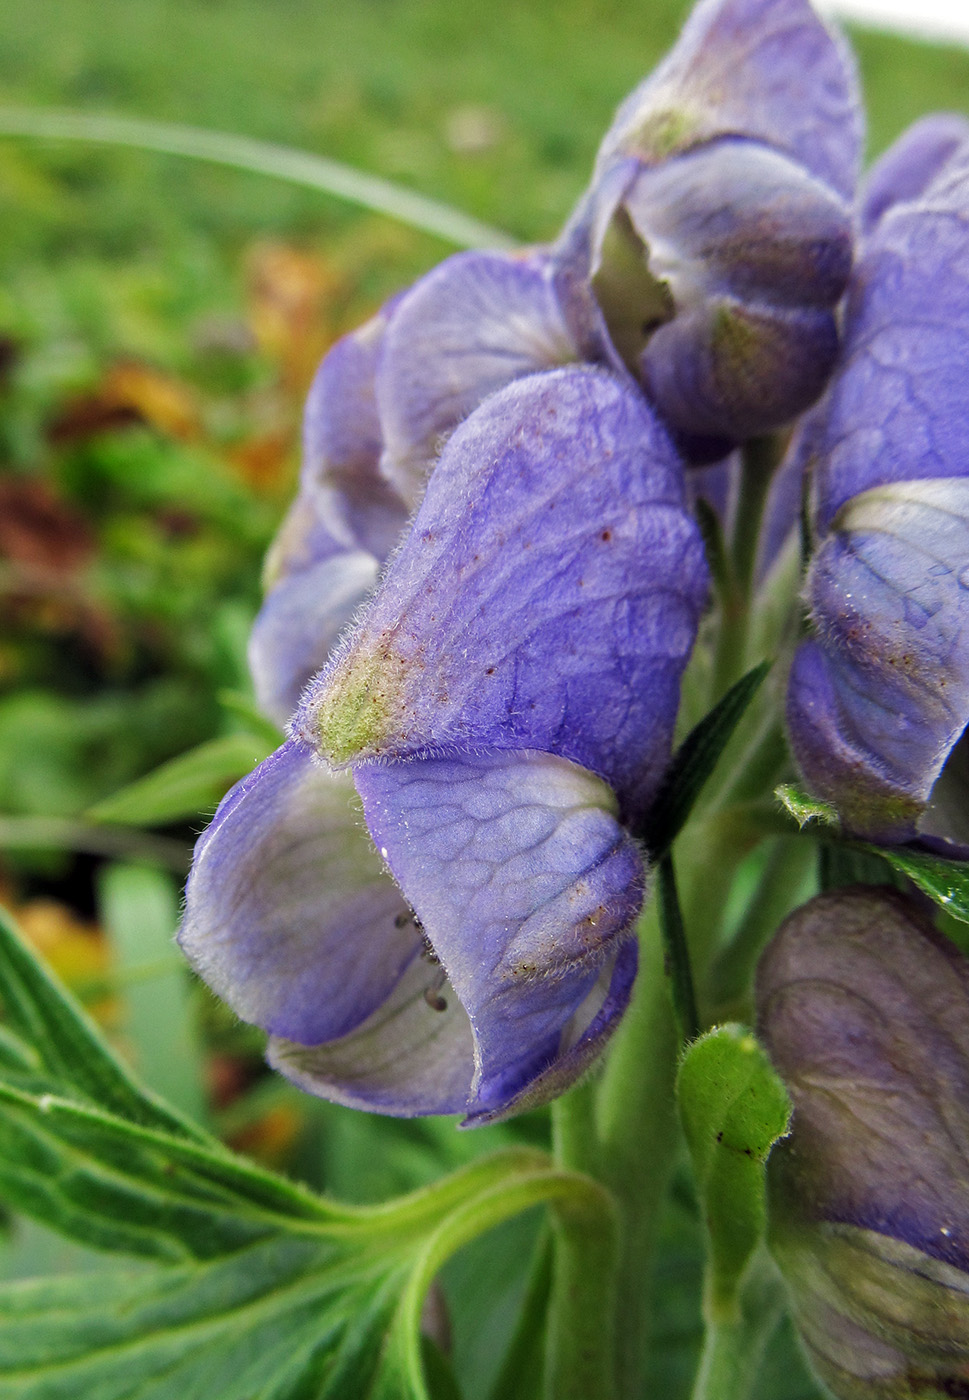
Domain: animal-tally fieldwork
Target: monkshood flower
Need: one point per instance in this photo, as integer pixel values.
(501, 713)
(717, 231)
(879, 696)
(382, 403)
(864, 1009)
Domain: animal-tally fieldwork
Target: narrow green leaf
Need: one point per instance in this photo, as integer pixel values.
(119, 1186)
(695, 760)
(944, 881)
(804, 808)
(520, 1377)
(243, 707)
(183, 787)
(333, 1316)
(734, 1108)
(676, 953)
(262, 157)
(68, 1046)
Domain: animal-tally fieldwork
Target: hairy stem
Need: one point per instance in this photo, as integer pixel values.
(733, 1346)
(580, 1348)
(637, 1139)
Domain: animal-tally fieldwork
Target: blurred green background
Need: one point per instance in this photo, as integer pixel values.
(160, 319)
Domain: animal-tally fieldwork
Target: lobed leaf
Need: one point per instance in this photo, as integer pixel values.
(283, 1320)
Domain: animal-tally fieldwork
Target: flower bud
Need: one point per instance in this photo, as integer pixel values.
(717, 274)
(879, 695)
(716, 232)
(864, 1010)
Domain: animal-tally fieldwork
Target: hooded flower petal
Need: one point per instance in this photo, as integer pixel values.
(865, 1012)
(471, 326)
(290, 916)
(717, 263)
(298, 624)
(898, 408)
(878, 702)
(527, 888)
(907, 169)
(343, 443)
(546, 597)
(767, 70)
(413, 1055)
(341, 527)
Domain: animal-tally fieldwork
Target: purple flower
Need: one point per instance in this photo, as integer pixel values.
(500, 713)
(879, 696)
(717, 232)
(864, 1009)
(382, 403)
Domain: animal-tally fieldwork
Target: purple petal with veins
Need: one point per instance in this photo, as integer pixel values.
(766, 70)
(290, 915)
(547, 595)
(526, 886)
(474, 324)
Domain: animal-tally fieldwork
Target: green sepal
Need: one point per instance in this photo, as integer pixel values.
(694, 761)
(803, 807)
(734, 1108)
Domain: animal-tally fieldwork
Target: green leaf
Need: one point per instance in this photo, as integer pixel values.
(944, 881)
(335, 1313)
(243, 708)
(695, 760)
(734, 1108)
(49, 1032)
(804, 808)
(283, 1320)
(520, 1377)
(183, 787)
(268, 1291)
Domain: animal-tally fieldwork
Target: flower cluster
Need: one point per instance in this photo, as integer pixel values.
(481, 605)
(428, 895)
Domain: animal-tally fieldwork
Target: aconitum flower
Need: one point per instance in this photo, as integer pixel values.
(879, 696)
(717, 232)
(382, 403)
(427, 896)
(505, 706)
(864, 1009)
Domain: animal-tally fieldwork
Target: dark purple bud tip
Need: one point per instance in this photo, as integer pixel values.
(864, 1010)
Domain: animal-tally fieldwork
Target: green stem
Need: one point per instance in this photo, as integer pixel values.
(677, 954)
(733, 1346)
(638, 1138)
(759, 459)
(580, 1345)
(787, 881)
(580, 1341)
